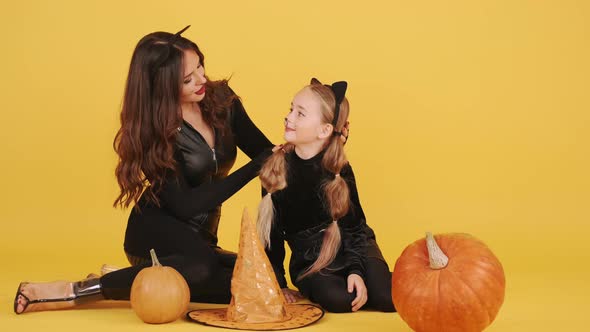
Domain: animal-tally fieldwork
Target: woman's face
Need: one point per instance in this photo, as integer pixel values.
(193, 82)
(303, 124)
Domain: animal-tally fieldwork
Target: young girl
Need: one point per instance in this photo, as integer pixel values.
(311, 202)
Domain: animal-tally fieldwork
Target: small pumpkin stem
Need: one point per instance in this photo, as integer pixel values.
(438, 259)
(155, 261)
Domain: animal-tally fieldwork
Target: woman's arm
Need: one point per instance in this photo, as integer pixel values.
(184, 201)
(247, 136)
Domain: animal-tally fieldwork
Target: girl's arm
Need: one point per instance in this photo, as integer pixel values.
(352, 225)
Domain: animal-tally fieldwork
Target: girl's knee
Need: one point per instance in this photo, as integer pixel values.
(381, 302)
(335, 302)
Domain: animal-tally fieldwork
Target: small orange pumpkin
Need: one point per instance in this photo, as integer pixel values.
(451, 282)
(159, 294)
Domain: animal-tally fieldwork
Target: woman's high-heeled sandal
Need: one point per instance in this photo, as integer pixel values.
(86, 290)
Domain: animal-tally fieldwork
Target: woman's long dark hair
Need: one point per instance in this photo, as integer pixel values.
(151, 114)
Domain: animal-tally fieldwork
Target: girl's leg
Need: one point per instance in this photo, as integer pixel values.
(378, 282)
(329, 291)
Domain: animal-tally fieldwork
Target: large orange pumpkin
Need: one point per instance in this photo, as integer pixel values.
(159, 294)
(450, 282)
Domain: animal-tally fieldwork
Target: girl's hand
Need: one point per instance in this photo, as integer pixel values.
(356, 282)
(291, 295)
(277, 147)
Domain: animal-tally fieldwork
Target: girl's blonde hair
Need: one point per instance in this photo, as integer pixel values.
(336, 192)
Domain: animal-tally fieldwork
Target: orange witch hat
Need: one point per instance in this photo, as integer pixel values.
(257, 300)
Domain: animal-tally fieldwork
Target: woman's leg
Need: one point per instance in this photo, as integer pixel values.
(207, 281)
(177, 246)
(56, 295)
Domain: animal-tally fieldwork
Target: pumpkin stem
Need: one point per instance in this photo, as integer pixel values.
(438, 259)
(155, 261)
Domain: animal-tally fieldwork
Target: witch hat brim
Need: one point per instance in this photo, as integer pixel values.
(301, 315)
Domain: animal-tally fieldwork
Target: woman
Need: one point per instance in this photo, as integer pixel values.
(176, 145)
(313, 204)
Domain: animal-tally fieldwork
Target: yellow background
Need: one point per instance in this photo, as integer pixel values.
(467, 116)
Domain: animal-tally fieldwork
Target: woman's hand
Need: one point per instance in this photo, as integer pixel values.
(291, 295)
(356, 282)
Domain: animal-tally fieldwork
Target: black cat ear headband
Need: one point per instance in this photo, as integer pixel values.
(339, 89)
(177, 35)
(165, 55)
